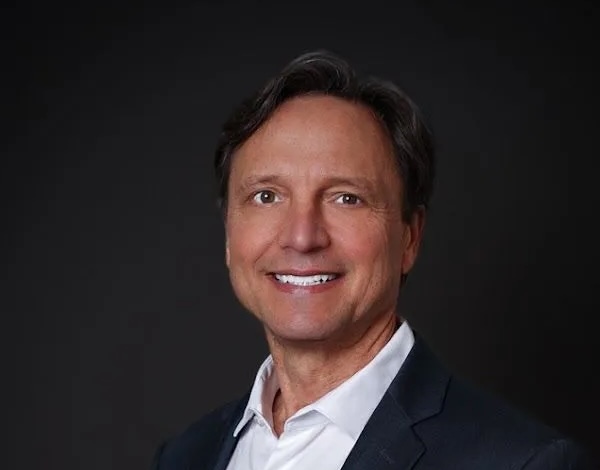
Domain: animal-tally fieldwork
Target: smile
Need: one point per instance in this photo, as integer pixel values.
(304, 281)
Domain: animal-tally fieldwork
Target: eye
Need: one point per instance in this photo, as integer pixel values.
(348, 199)
(265, 197)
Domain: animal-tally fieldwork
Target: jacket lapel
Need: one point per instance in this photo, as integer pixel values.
(390, 440)
(387, 442)
(225, 450)
(224, 442)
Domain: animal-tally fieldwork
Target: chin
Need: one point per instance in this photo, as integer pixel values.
(303, 330)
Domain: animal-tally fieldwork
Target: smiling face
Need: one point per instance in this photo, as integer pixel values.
(316, 243)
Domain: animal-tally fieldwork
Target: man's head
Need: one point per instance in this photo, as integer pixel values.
(324, 182)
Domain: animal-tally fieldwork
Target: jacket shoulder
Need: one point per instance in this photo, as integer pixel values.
(201, 440)
(493, 414)
(477, 424)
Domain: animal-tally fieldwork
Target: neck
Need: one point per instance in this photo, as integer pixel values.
(307, 372)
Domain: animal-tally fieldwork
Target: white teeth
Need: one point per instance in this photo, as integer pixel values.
(304, 280)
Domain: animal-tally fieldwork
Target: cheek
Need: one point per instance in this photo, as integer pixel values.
(246, 240)
(367, 241)
(376, 254)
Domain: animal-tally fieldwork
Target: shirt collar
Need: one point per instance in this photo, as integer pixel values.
(260, 402)
(350, 404)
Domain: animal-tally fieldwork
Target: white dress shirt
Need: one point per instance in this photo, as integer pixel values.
(321, 435)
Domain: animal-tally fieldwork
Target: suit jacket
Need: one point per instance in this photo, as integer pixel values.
(428, 419)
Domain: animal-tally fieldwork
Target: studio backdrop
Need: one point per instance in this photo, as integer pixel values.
(120, 327)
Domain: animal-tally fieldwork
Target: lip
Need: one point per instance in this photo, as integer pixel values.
(304, 272)
(293, 289)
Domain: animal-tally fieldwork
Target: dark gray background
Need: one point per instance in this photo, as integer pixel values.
(118, 323)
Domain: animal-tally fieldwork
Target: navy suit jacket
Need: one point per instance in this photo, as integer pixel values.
(427, 419)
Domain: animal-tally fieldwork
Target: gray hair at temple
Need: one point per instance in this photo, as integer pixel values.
(322, 72)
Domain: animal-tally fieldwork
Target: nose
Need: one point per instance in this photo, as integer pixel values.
(304, 229)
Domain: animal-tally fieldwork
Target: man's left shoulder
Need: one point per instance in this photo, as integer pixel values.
(560, 454)
(486, 424)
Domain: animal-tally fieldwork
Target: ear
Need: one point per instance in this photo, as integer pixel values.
(227, 255)
(413, 236)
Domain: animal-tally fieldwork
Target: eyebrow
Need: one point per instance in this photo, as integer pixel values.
(257, 180)
(356, 181)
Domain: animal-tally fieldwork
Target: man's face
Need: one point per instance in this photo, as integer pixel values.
(316, 244)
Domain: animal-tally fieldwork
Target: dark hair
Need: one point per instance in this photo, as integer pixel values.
(322, 72)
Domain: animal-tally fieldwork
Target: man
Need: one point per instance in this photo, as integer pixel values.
(325, 182)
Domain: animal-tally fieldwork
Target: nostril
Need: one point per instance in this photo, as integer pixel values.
(305, 233)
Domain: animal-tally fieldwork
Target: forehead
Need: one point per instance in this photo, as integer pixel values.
(321, 132)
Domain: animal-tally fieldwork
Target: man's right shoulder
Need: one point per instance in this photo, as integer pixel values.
(201, 441)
